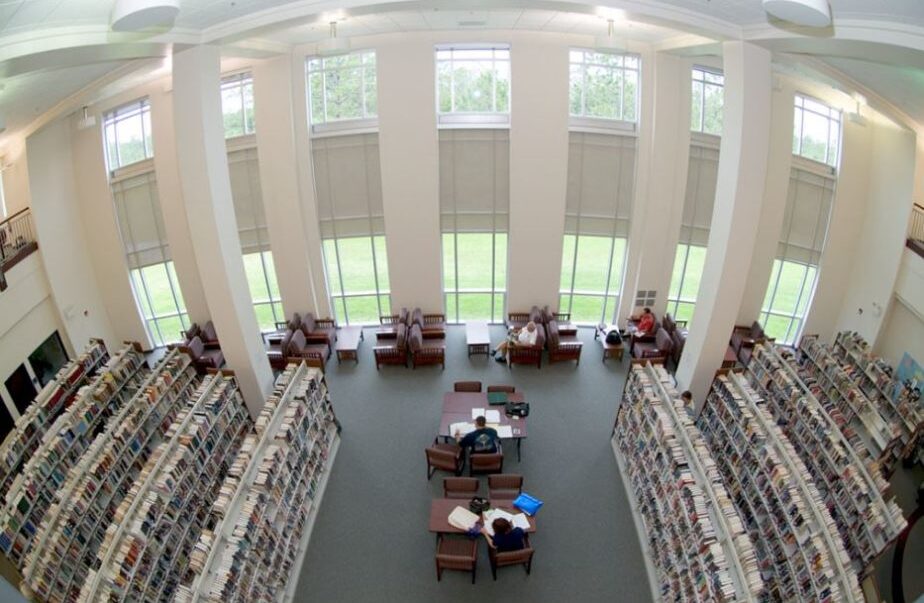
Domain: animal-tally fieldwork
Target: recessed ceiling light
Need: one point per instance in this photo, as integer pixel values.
(138, 15)
(810, 13)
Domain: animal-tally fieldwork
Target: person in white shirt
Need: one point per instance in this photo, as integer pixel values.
(525, 337)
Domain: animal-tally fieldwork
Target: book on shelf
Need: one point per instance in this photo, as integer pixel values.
(693, 535)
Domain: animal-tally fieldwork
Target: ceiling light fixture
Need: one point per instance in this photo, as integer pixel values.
(138, 15)
(333, 44)
(609, 42)
(87, 121)
(809, 13)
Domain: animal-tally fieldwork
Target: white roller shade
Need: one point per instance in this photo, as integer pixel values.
(244, 169)
(141, 222)
(700, 195)
(349, 185)
(808, 209)
(601, 184)
(474, 180)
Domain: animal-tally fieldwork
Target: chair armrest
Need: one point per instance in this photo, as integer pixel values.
(562, 316)
(389, 320)
(282, 325)
(680, 324)
(432, 318)
(325, 322)
(316, 338)
(570, 345)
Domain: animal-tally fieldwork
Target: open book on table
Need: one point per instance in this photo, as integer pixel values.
(519, 520)
(462, 519)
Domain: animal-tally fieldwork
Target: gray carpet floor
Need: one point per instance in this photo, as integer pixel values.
(370, 540)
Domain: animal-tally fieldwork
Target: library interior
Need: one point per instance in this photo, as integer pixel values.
(264, 262)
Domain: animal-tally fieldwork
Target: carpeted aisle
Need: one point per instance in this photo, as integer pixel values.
(370, 541)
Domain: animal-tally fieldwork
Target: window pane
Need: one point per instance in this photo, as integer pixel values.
(474, 261)
(500, 261)
(339, 310)
(473, 80)
(777, 327)
(616, 267)
(684, 311)
(593, 258)
(148, 140)
(564, 302)
(450, 302)
(609, 311)
(155, 277)
(677, 273)
(253, 268)
(575, 88)
(696, 113)
(444, 80)
(771, 287)
(356, 268)
(232, 111)
(170, 329)
(271, 275)
(790, 285)
(502, 70)
(603, 92)
(474, 306)
(111, 147)
(156, 339)
(344, 94)
(712, 113)
(473, 86)
(316, 93)
(278, 313)
(696, 262)
(330, 262)
(385, 304)
(806, 291)
(796, 130)
(171, 274)
(265, 318)
(587, 308)
(131, 141)
(630, 97)
(363, 309)
(140, 296)
(381, 263)
(814, 136)
(370, 91)
(449, 262)
(567, 262)
(499, 308)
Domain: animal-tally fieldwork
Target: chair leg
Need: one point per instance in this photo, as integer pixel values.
(439, 572)
(474, 569)
(430, 472)
(494, 571)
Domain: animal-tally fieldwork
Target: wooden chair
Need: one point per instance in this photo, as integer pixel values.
(425, 351)
(393, 353)
(562, 347)
(445, 457)
(522, 557)
(456, 554)
(467, 386)
(502, 388)
(532, 354)
(486, 463)
(505, 486)
(460, 487)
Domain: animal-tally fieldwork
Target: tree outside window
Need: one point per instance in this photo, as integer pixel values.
(816, 131)
(127, 134)
(473, 80)
(604, 85)
(237, 105)
(342, 87)
(708, 102)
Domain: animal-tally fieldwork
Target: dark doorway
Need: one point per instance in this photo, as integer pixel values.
(20, 387)
(48, 358)
(6, 421)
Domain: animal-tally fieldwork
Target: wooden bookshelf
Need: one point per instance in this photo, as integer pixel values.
(76, 523)
(287, 458)
(692, 527)
(800, 552)
(852, 491)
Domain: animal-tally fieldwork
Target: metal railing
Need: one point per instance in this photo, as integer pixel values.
(17, 240)
(915, 239)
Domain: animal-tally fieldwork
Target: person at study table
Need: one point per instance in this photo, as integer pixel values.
(506, 537)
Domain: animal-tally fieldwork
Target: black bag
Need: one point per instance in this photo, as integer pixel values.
(614, 338)
(517, 409)
(478, 505)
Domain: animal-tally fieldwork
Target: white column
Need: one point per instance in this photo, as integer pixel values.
(291, 242)
(62, 240)
(773, 211)
(661, 168)
(409, 151)
(844, 231)
(735, 221)
(105, 246)
(538, 170)
(170, 194)
(203, 169)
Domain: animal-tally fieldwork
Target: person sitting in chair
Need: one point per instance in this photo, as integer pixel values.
(526, 337)
(506, 537)
(483, 440)
(646, 324)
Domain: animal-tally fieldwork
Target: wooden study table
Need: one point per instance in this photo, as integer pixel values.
(457, 408)
(440, 508)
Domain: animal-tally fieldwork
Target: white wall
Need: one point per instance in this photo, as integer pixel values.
(881, 242)
(62, 240)
(28, 316)
(15, 180)
(904, 321)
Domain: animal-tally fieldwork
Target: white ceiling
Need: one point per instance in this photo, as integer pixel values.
(78, 48)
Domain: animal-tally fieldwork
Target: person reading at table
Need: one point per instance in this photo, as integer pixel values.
(526, 337)
(483, 440)
(506, 537)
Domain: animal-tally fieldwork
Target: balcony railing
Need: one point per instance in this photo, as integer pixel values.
(17, 240)
(915, 240)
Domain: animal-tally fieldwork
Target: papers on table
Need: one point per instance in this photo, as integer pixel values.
(490, 416)
(462, 519)
(461, 428)
(504, 431)
(519, 520)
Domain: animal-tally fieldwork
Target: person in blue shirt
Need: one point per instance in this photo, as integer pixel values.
(506, 537)
(483, 440)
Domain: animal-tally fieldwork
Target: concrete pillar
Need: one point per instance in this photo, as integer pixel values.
(661, 179)
(736, 219)
(203, 169)
(170, 195)
(538, 171)
(409, 151)
(776, 189)
(292, 239)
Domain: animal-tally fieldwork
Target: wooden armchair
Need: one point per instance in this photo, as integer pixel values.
(208, 336)
(203, 358)
(299, 348)
(394, 319)
(393, 351)
(492, 462)
(517, 320)
(562, 347)
(744, 338)
(456, 554)
(319, 330)
(563, 319)
(425, 351)
(444, 457)
(656, 349)
(460, 487)
(432, 326)
(522, 557)
(528, 354)
(467, 386)
(505, 486)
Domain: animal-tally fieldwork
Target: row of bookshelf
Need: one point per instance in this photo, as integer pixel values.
(262, 515)
(31, 426)
(799, 552)
(695, 536)
(882, 440)
(851, 490)
(900, 403)
(146, 548)
(33, 489)
(73, 530)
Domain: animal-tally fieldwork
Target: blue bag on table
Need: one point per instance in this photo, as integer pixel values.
(528, 504)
